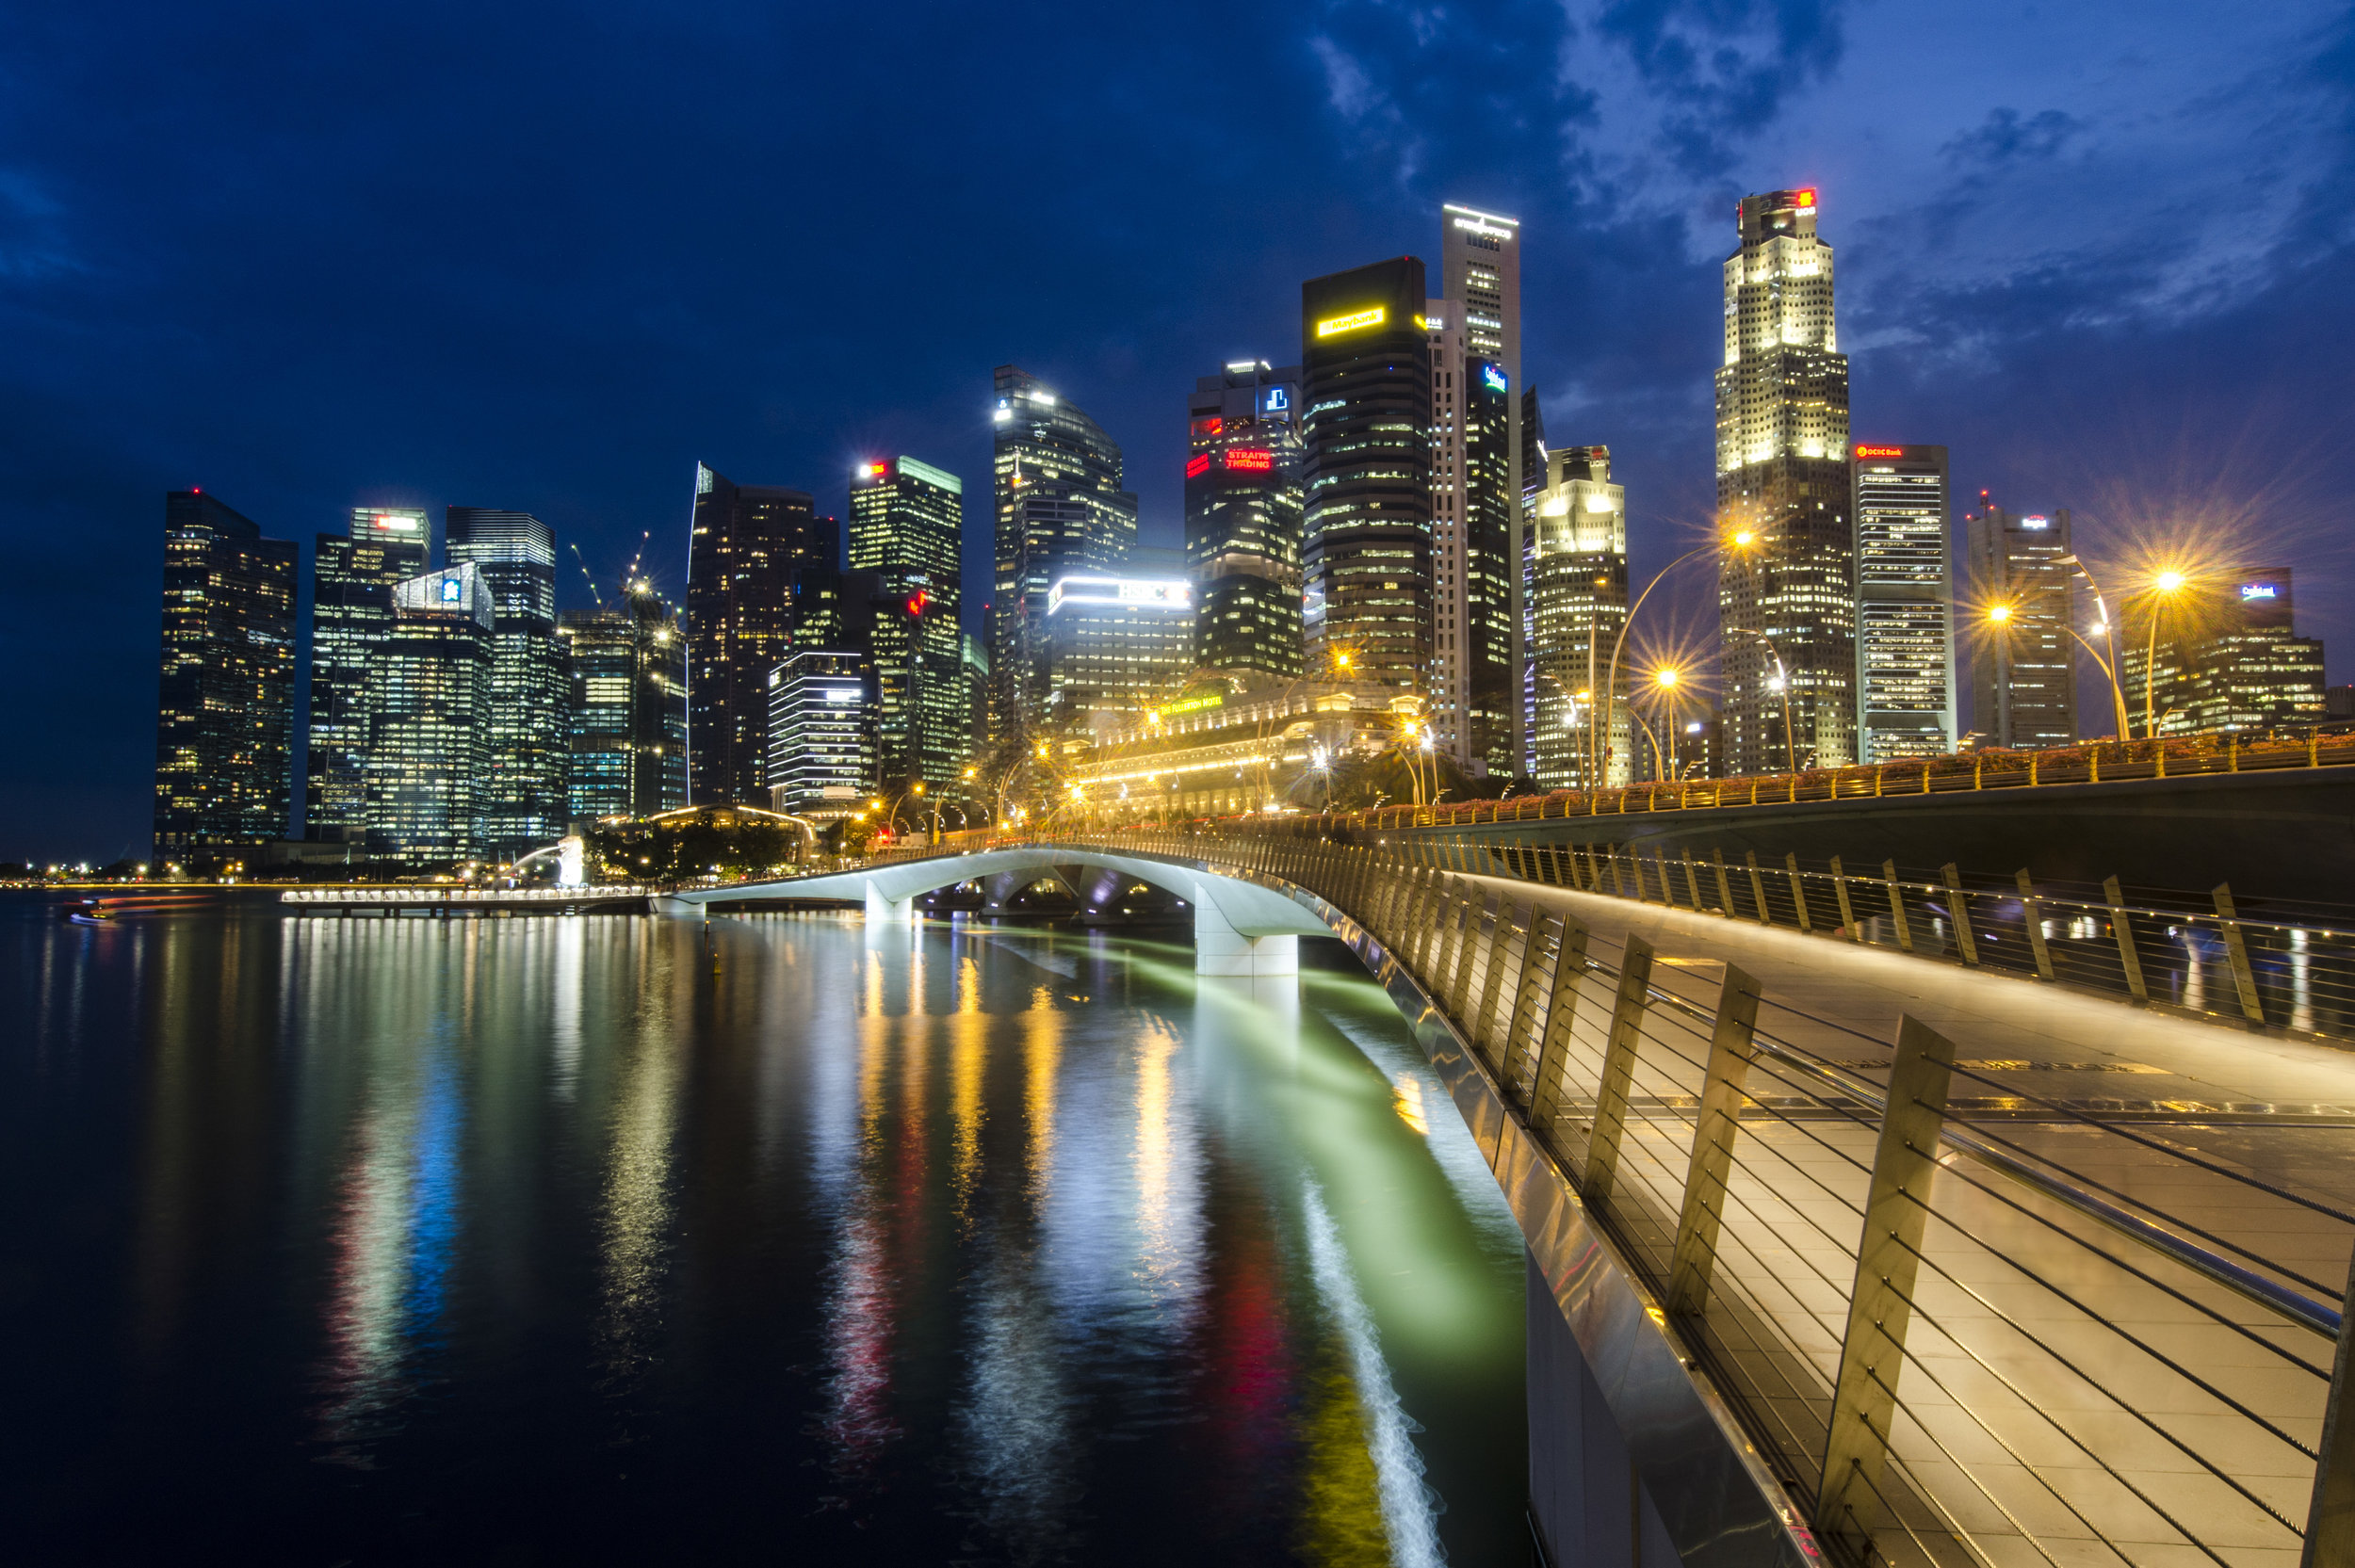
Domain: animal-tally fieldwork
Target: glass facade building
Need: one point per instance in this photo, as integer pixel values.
(822, 715)
(628, 668)
(750, 545)
(1242, 493)
(429, 687)
(908, 522)
(1579, 612)
(224, 722)
(2228, 656)
(1905, 611)
(525, 803)
(352, 575)
(2024, 669)
(1116, 645)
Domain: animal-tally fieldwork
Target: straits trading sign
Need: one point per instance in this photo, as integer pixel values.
(1373, 316)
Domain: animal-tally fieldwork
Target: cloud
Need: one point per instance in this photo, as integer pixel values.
(1720, 69)
(2004, 137)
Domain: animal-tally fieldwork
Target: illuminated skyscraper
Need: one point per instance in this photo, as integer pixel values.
(1477, 472)
(2229, 659)
(1115, 645)
(1581, 609)
(523, 805)
(1366, 563)
(907, 520)
(1243, 518)
(821, 733)
(1783, 479)
(750, 544)
(627, 664)
(1060, 509)
(429, 682)
(352, 575)
(224, 711)
(2024, 666)
(1905, 590)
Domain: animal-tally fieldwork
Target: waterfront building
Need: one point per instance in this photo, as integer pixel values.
(1060, 508)
(2023, 665)
(352, 575)
(525, 802)
(1905, 613)
(1244, 518)
(1365, 592)
(224, 702)
(1579, 612)
(430, 685)
(822, 718)
(750, 543)
(2228, 657)
(1116, 645)
(1782, 481)
(1481, 469)
(907, 521)
(628, 668)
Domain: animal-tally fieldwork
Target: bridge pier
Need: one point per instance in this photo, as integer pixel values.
(1221, 950)
(881, 911)
(1588, 1503)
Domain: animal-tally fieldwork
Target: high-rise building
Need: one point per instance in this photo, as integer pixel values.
(1581, 610)
(750, 544)
(2024, 666)
(1782, 482)
(224, 707)
(627, 664)
(907, 520)
(821, 733)
(1116, 646)
(352, 575)
(1533, 479)
(1060, 509)
(1243, 518)
(525, 802)
(976, 655)
(429, 736)
(1480, 472)
(1905, 609)
(1367, 601)
(2228, 657)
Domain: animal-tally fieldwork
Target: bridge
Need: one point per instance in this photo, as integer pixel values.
(1847, 1240)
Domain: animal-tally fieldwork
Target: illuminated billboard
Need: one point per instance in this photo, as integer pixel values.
(1251, 459)
(1373, 316)
(1161, 593)
(1492, 377)
(1198, 463)
(1880, 451)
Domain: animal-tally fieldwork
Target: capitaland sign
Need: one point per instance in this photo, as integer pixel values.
(1174, 593)
(2259, 590)
(1373, 316)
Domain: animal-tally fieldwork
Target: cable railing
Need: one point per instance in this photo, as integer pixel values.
(1965, 1321)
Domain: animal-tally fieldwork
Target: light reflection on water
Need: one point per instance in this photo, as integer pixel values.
(992, 1245)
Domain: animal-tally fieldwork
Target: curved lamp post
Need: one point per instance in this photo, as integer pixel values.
(1605, 704)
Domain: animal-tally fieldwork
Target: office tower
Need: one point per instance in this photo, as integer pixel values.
(524, 804)
(1533, 479)
(1481, 673)
(975, 654)
(749, 545)
(1243, 518)
(907, 519)
(1366, 595)
(352, 575)
(1115, 645)
(822, 714)
(1579, 605)
(224, 702)
(627, 664)
(1060, 509)
(1905, 613)
(2024, 666)
(1475, 505)
(2228, 657)
(1782, 480)
(429, 682)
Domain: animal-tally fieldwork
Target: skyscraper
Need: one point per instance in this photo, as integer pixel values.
(1581, 609)
(627, 664)
(1904, 591)
(428, 736)
(1480, 568)
(2024, 666)
(907, 520)
(1243, 518)
(1533, 479)
(224, 706)
(2228, 656)
(1366, 554)
(821, 733)
(1060, 509)
(1782, 480)
(1115, 645)
(750, 542)
(352, 575)
(523, 804)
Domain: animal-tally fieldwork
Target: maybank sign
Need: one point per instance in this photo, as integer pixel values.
(1169, 593)
(1373, 316)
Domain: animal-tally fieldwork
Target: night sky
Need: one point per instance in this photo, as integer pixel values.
(549, 256)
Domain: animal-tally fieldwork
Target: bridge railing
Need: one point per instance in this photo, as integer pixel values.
(1967, 1323)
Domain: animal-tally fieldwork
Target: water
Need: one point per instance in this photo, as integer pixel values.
(511, 1241)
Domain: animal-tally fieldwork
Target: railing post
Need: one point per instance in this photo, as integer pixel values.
(1757, 888)
(2129, 957)
(2034, 915)
(1484, 1030)
(1897, 905)
(1714, 1131)
(1724, 888)
(1880, 1304)
(1847, 912)
(2237, 950)
(1692, 878)
(1959, 911)
(1618, 1070)
(1618, 884)
(1458, 976)
(1798, 891)
(1551, 1066)
(2331, 1515)
(1520, 1015)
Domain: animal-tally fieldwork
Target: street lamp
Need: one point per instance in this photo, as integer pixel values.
(2163, 587)
(1605, 705)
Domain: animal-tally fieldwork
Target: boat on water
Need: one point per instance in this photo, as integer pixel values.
(89, 911)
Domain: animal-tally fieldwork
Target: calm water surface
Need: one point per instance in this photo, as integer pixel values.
(347, 1241)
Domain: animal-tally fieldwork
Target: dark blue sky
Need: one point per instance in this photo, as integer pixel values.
(548, 256)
